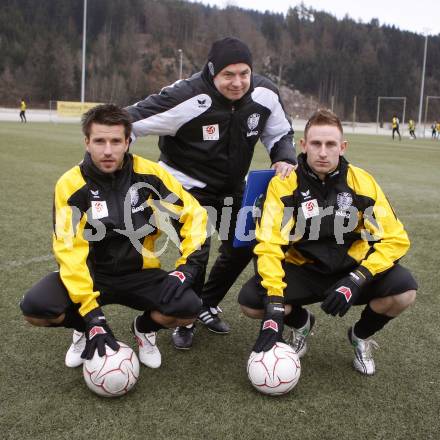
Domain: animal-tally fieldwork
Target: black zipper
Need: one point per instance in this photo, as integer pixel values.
(118, 224)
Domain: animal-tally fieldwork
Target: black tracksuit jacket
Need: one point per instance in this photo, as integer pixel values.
(210, 138)
(95, 212)
(328, 227)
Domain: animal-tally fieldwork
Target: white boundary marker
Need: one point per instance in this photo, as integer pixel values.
(25, 261)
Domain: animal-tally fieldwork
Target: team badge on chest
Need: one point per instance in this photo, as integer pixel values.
(344, 200)
(134, 196)
(252, 122)
(310, 208)
(210, 132)
(99, 209)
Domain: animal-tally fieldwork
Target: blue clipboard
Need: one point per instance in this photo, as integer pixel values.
(256, 187)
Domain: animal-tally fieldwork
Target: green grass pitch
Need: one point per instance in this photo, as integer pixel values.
(204, 393)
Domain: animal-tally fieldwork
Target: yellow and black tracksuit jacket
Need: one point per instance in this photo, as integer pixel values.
(99, 218)
(328, 227)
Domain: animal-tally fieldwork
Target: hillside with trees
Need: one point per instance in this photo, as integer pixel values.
(132, 50)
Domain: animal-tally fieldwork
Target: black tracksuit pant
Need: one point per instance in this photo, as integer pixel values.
(223, 210)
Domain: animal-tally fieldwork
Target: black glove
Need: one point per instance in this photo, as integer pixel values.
(272, 325)
(345, 292)
(175, 283)
(98, 334)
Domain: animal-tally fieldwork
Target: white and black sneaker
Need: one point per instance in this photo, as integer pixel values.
(149, 353)
(363, 357)
(73, 356)
(209, 317)
(298, 336)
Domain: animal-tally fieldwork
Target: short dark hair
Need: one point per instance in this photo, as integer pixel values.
(106, 114)
(323, 117)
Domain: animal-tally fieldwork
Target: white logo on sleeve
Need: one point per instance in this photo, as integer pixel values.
(99, 209)
(210, 132)
(310, 208)
(202, 103)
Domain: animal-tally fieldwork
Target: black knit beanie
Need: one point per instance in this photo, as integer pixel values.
(227, 51)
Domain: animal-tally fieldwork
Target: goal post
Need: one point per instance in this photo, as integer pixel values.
(52, 111)
(380, 98)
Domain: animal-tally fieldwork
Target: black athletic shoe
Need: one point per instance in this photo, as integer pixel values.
(183, 337)
(209, 317)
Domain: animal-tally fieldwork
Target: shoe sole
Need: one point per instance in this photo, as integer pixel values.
(211, 330)
(362, 373)
(153, 367)
(74, 366)
(216, 332)
(182, 348)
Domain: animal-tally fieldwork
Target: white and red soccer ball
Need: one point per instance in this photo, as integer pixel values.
(276, 371)
(113, 374)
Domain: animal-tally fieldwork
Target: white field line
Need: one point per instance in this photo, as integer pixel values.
(25, 261)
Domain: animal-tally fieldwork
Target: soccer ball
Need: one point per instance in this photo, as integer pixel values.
(113, 374)
(276, 371)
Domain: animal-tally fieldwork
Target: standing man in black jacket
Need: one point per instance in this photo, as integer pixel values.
(208, 127)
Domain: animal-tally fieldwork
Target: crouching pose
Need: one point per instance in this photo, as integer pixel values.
(108, 212)
(327, 234)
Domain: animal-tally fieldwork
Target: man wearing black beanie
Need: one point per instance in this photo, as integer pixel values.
(208, 126)
(225, 52)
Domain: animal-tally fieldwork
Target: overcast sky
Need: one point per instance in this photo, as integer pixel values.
(416, 15)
